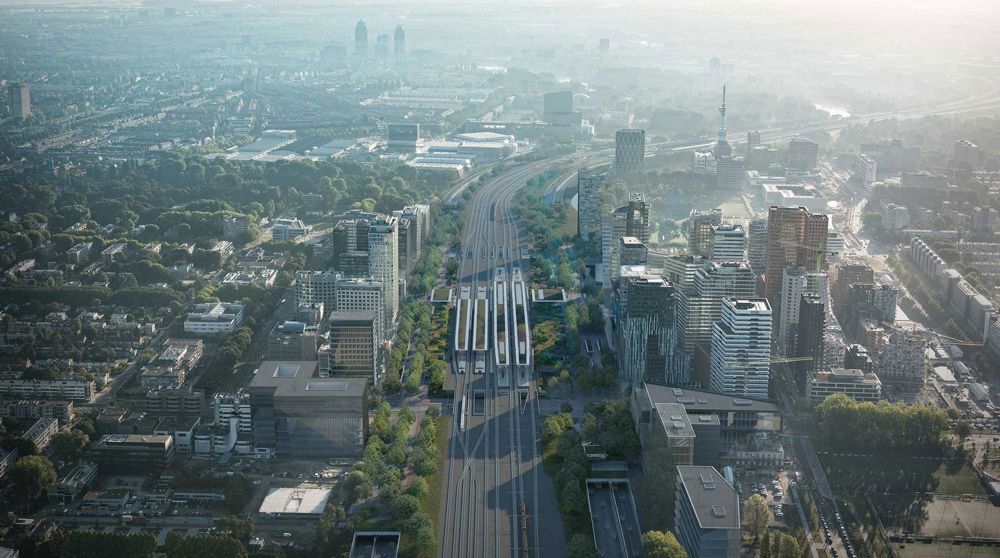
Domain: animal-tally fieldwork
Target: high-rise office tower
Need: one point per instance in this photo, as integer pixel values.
(20, 100)
(399, 43)
(701, 231)
(420, 217)
(761, 157)
(628, 220)
(753, 139)
(757, 245)
(803, 154)
(630, 150)
(741, 348)
(730, 174)
(361, 40)
(383, 264)
(382, 47)
(700, 307)
(352, 346)
(293, 341)
(402, 137)
(637, 217)
(796, 282)
(589, 187)
(729, 243)
(646, 336)
(631, 251)
(349, 247)
(681, 270)
(407, 253)
(809, 339)
(795, 238)
(558, 109)
(557, 102)
(363, 295)
(844, 275)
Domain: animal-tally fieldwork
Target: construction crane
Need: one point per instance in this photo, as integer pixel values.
(957, 342)
(770, 361)
(939, 337)
(820, 252)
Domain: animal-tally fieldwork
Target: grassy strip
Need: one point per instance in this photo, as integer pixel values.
(431, 503)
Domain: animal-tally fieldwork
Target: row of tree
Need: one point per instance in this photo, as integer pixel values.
(391, 452)
(563, 446)
(95, 544)
(881, 428)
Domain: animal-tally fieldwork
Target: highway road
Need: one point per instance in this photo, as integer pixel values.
(497, 500)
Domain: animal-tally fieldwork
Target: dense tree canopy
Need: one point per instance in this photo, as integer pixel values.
(881, 428)
(657, 544)
(30, 475)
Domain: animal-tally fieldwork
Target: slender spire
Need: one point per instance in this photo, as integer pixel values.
(722, 113)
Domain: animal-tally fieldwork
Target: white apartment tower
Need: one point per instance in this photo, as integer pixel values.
(383, 264)
(317, 287)
(741, 348)
(729, 243)
(700, 306)
(363, 295)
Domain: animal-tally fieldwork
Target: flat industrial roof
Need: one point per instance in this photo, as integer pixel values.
(345, 315)
(299, 378)
(301, 501)
(695, 400)
(714, 500)
(675, 420)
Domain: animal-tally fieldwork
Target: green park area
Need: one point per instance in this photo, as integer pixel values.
(734, 208)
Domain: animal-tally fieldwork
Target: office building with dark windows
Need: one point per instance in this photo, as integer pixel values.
(303, 416)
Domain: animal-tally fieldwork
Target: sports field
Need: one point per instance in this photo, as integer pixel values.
(918, 495)
(895, 475)
(945, 550)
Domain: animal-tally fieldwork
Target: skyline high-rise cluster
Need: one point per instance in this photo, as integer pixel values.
(370, 255)
(796, 237)
(718, 267)
(382, 43)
